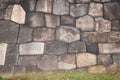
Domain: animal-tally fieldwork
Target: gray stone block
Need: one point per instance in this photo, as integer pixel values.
(116, 25)
(116, 60)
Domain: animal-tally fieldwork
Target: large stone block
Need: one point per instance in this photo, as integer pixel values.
(114, 36)
(116, 60)
(86, 59)
(116, 25)
(67, 34)
(32, 48)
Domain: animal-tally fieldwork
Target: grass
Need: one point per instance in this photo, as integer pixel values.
(1, 78)
(67, 76)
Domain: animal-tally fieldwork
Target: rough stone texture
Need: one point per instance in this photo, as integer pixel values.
(94, 37)
(102, 0)
(114, 36)
(3, 49)
(52, 21)
(102, 25)
(116, 60)
(77, 47)
(66, 61)
(116, 25)
(8, 31)
(71, 1)
(35, 19)
(56, 47)
(18, 70)
(43, 34)
(7, 70)
(29, 69)
(67, 34)
(32, 48)
(83, 1)
(44, 6)
(48, 62)
(2, 12)
(97, 69)
(112, 68)
(85, 59)
(60, 7)
(96, 9)
(108, 48)
(85, 23)
(3, 5)
(112, 10)
(77, 10)
(18, 10)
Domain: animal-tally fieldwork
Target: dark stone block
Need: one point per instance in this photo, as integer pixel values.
(3, 5)
(31, 69)
(116, 25)
(116, 60)
(19, 70)
(6, 70)
(2, 12)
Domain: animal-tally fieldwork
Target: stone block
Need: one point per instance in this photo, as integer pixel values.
(29, 69)
(3, 5)
(116, 61)
(2, 12)
(112, 68)
(67, 34)
(18, 70)
(83, 1)
(114, 36)
(116, 25)
(71, 1)
(32, 48)
(6, 70)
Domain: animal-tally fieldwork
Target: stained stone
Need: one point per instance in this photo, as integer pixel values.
(35, 19)
(77, 10)
(77, 47)
(3, 5)
(2, 12)
(18, 70)
(112, 10)
(44, 6)
(114, 36)
(116, 25)
(112, 68)
(32, 48)
(102, 25)
(83, 1)
(56, 47)
(43, 34)
(18, 10)
(8, 31)
(60, 7)
(29, 69)
(48, 62)
(6, 70)
(52, 21)
(3, 49)
(66, 61)
(85, 23)
(109, 48)
(67, 34)
(116, 60)
(96, 9)
(85, 59)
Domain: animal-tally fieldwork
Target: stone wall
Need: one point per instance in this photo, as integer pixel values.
(53, 35)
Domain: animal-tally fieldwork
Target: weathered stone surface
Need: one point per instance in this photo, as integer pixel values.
(8, 31)
(96, 9)
(18, 14)
(102, 25)
(3, 49)
(112, 10)
(116, 60)
(108, 48)
(32, 48)
(85, 23)
(35, 19)
(10, 1)
(97, 69)
(7, 70)
(60, 7)
(18, 70)
(77, 47)
(102, 0)
(67, 20)
(114, 36)
(71, 1)
(85, 59)
(2, 12)
(116, 25)
(67, 34)
(66, 61)
(56, 47)
(112, 68)
(94, 37)
(43, 34)
(48, 62)
(52, 21)
(25, 34)
(83, 1)
(3, 5)
(29, 69)
(92, 48)
(104, 59)
(77, 10)
(44, 6)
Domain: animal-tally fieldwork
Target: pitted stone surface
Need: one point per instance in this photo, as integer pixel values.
(114, 36)
(32, 48)
(67, 34)
(116, 25)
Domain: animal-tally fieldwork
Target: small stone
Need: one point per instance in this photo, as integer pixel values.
(116, 60)
(114, 36)
(56, 47)
(43, 34)
(83, 1)
(96, 9)
(85, 23)
(66, 61)
(32, 48)
(60, 7)
(109, 48)
(48, 62)
(67, 34)
(116, 25)
(18, 14)
(3, 49)
(102, 25)
(52, 21)
(77, 47)
(35, 19)
(97, 69)
(86, 59)
(112, 68)
(78, 10)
